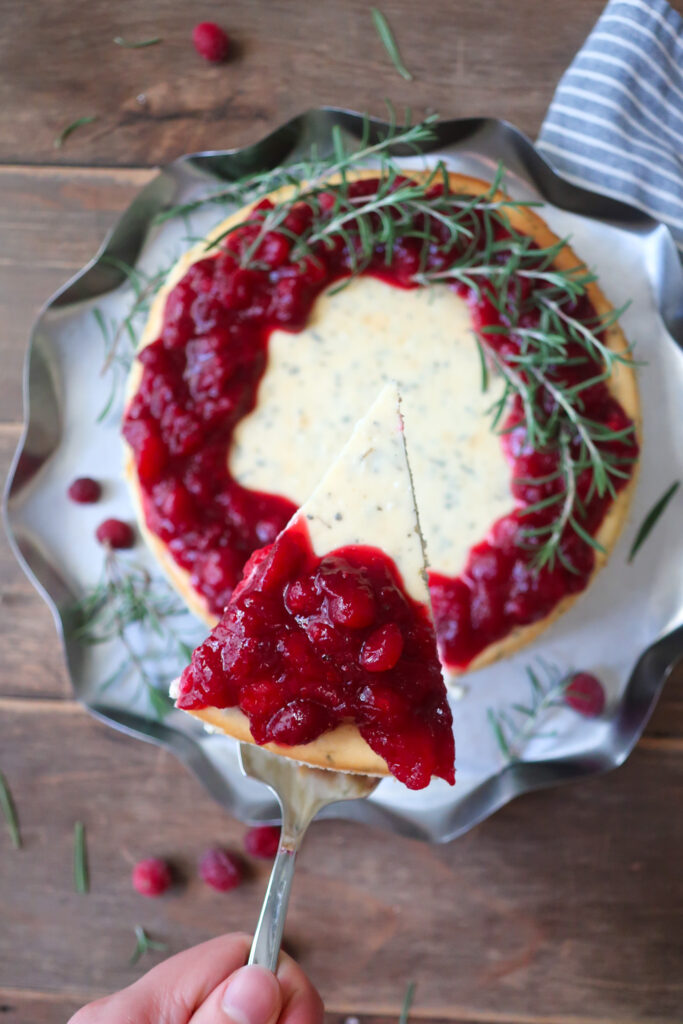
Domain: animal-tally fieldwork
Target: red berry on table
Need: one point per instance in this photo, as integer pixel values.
(152, 877)
(584, 693)
(85, 491)
(220, 869)
(114, 533)
(210, 41)
(263, 841)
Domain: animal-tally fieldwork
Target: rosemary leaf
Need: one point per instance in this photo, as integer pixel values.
(499, 734)
(143, 944)
(407, 1003)
(80, 122)
(652, 518)
(129, 45)
(81, 877)
(9, 812)
(386, 35)
(160, 701)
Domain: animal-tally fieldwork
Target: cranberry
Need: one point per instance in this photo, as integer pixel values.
(85, 491)
(351, 601)
(382, 649)
(114, 533)
(152, 877)
(210, 41)
(220, 869)
(263, 841)
(301, 597)
(584, 693)
(300, 721)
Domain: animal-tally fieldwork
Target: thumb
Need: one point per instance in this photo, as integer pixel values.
(251, 995)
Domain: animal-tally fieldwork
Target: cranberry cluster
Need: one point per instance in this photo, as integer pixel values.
(307, 643)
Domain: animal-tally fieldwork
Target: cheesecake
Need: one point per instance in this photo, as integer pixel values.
(326, 651)
(259, 354)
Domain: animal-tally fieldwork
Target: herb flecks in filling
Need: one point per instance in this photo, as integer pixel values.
(569, 443)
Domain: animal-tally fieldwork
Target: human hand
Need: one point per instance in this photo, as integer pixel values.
(210, 985)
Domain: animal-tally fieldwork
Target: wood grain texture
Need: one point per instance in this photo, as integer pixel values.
(59, 63)
(52, 221)
(562, 906)
(565, 907)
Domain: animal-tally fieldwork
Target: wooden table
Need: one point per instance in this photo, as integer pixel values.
(563, 907)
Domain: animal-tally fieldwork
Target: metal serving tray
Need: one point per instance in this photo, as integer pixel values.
(627, 627)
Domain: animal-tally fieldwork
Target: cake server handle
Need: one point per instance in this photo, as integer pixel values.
(301, 792)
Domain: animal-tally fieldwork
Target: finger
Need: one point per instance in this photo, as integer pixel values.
(171, 992)
(252, 995)
(302, 1003)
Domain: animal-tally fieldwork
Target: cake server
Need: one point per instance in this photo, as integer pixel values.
(301, 792)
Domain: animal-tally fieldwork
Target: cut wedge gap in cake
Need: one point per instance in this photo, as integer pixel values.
(326, 652)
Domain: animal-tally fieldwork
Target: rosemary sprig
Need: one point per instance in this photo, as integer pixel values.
(9, 812)
(80, 122)
(310, 172)
(117, 363)
(130, 45)
(126, 596)
(651, 519)
(514, 727)
(81, 876)
(143, 944)
(387, 36)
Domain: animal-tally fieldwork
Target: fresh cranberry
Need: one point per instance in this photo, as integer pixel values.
(262, 841)
(210, 41)
(220, 869)
(114, 533)
(85, 490)
(382, 649)
(152, 877)
(585, 694)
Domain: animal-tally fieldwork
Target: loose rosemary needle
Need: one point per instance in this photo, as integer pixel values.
(389, 43)
(80, 122)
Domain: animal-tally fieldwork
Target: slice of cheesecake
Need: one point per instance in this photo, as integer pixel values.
(326, 652)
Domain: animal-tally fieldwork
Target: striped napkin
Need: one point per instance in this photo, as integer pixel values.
(615, 124)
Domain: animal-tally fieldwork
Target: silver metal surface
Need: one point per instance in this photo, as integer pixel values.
(51, 451)
(301, 792)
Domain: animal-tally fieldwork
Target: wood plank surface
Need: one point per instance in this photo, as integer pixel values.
(52, 221)
(565, 907)
(153, 104)
(561, 906)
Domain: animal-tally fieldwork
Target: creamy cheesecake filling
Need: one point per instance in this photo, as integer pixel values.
(320, 381)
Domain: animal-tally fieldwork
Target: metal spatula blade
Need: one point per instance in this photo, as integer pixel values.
(301, 792)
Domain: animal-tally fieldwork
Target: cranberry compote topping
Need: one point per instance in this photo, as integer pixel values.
(200, 377)
(84, 490)
(299, 670)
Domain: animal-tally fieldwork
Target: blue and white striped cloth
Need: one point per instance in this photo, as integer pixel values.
(615, 124)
